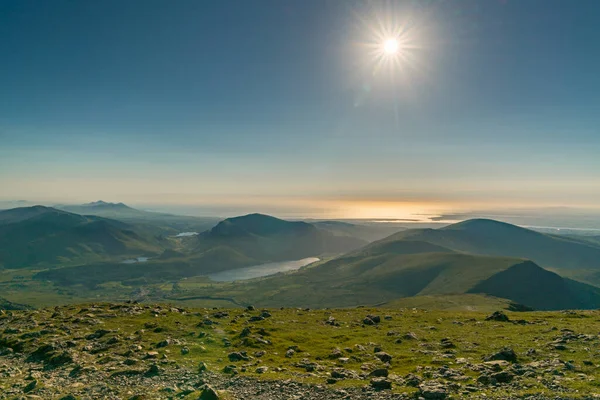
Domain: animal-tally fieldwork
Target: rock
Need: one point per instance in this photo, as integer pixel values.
(381, 383)
(265, 314)
(163, 343)
(379, 373)
(485, 379)
(202, 367)
(411, 336)
(503, 377)
(498, 316)
(372, 319)
(256, 319)
(261, 370)
(290, 353)
(446, 343)
(221, 314)
(433, 391)
(246, 332)
(30, 386)
(238, 356)
(497, 365)
(184, 351)
(230, 369)
(412, 380)
(208, 393)
(153, 370)
(383, 356)
(68, 397)
(97, 335)
(506, 354)
(335, 353)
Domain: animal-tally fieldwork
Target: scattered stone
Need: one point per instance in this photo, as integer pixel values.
(432, 390)
(384, 357)
(208, 393)
(503, 376)
(498, 316)
(506, 354)
(380, 372)
(238, 356)
(381, 383)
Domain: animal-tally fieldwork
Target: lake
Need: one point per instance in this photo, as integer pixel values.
(256, 271)
(135, 260)
(186, 234)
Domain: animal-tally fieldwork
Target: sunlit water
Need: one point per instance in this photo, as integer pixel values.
(185, 234)
(256, 271)
(135, 260)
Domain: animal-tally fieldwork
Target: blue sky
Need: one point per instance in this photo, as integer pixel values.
(275, 106)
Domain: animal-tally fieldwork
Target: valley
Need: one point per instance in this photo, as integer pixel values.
(248, 260)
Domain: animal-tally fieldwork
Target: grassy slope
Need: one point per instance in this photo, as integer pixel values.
(473, 337)
(451, 302)
(494, 238)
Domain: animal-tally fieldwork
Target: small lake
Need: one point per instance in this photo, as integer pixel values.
(186, 234)
(135, 260)
(256, 271)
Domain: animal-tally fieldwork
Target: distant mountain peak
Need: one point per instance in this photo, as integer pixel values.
(480, 223)
(101, 203)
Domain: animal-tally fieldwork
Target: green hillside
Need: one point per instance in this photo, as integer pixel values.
(488, 237)
(390, 269)
(44, 236)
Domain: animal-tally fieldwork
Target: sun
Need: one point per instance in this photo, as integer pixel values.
(391, 46)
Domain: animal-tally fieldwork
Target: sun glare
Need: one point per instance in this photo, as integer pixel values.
(391, 46)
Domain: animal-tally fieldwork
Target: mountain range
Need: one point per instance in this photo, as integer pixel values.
(393, 269)
(166, 224)
(44, 236)
(472, 257)
(233, 243)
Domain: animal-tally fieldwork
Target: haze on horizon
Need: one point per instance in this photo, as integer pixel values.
(286, 107)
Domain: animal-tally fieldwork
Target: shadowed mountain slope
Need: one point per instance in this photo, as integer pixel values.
(46, 236)
(488, 237)
(394, 268)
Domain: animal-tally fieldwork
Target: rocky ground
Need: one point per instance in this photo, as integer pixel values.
(139, 351)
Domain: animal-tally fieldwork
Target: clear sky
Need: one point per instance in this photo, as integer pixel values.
(282, 106)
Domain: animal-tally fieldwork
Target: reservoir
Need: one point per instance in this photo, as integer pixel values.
(256, 271)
